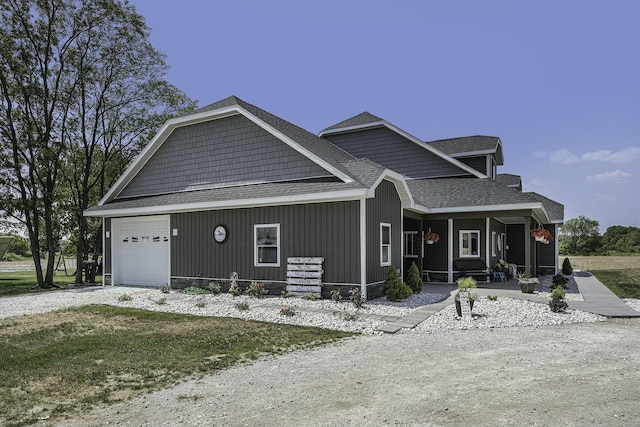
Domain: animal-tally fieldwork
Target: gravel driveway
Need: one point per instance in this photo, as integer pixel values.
(576, 375)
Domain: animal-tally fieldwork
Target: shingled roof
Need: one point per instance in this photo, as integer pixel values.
(470, 145)
(361, 119)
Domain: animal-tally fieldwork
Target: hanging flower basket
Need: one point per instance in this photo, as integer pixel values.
(542, 235)
(431, 238)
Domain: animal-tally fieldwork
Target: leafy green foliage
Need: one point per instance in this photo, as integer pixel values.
(335, 295)
(560, 281)
(355, 296)
(580, 236)
(566, 267)
(619, 239)
(414, 279)
(394, 288)
(256, 290)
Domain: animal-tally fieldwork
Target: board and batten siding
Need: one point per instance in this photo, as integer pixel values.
(479, 224)
(230, 150)
(106, 256)
(547, 252)
(329, 230)
(395, 152)
(497, 227)
(478, 163)
(386, 207)
(436, 257)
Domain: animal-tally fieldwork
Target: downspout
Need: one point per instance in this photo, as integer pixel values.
(527, 245)
(450, 250)
(363, 248)
(487, 256)
(557, 248)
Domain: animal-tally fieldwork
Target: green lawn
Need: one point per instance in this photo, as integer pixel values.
(24, 282)
(623, 283)
(68, 361)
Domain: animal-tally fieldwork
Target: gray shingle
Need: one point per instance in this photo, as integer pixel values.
(466, 144)
(361, 119)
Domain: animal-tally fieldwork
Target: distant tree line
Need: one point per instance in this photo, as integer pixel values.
(581, 236)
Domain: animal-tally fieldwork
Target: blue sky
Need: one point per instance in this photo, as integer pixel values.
(557, 81)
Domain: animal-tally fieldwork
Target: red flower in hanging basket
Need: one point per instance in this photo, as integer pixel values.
(542, 235)
(431, 237)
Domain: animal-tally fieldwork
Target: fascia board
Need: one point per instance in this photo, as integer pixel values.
(171, 124)
(157, 141)
(397, 179)
(472, 153)
(536, 207)
(232, 204)
(352, 128)
(291, 143)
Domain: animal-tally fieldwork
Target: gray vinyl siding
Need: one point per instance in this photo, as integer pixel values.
(436, 255)
(547, 252)
(478, 163)
(329, 230)
(231, 150)
(385, 207)
(499, 228)
(516, 242)
(395, 152)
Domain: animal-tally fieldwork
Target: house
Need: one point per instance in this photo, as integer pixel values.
(232, 188)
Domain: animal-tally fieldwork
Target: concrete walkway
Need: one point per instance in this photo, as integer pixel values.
(598, 299)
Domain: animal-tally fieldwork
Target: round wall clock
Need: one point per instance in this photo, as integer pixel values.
(220, 233)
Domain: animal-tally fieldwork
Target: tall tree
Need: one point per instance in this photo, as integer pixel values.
(80, 87)
(580, 236)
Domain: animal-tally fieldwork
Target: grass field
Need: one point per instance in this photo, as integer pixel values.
(67, 361)
(24, 282)
(621, 274)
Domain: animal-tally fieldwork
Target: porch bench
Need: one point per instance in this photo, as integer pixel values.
(474, 267)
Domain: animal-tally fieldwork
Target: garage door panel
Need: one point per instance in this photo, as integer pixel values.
(144, 252)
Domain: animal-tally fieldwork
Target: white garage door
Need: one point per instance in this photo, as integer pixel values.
(143, 251)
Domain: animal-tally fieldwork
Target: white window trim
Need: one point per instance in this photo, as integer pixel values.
(388, 262)
(406, 241)
(461, 233)
(256, 262)
(494, 243)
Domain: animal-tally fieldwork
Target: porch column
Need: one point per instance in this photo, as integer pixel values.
(527, 246)
(363, 248)
(450, 251)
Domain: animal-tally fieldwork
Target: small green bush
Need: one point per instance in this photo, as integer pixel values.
(394, 288)
(201, 302)
(558, 292)
(356, 297)
(414, 280)
(560, 281)
(166, 288)
(285, 294)
(161, 301)
(492, 297)
(242, 306)
(558, 305)
(310, 297)
(335, 295)
(256, 290)
(124, 297)
(567, 269)
(195, 290)
(215, 288)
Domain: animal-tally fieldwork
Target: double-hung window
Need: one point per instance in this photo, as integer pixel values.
(411, 244)
(469, 243)
(266, 245)
(385, 244)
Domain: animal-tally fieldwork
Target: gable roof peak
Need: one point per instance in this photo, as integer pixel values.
(359, 120)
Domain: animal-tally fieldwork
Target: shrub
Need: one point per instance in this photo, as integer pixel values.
(161, 301)
(560, 281)
(125, 297)
(557, 303)
(350, 317)
(201, 302)
(242, 306)
(234, 289)
(567, 269)
(466, 284)
(356, 297)
(195, 290)
(166, 288)
(310, 297)
(255, 289)
(414, 279)
(394, 288)
(335, 295)
(492, 297)
(287, 311)
(215, 288)
(285, 294)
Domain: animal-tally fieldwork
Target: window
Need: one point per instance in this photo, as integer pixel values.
(266, 245)
(495, 244)
(469, 243)
(385, 244)
(411, 244)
